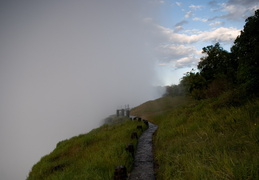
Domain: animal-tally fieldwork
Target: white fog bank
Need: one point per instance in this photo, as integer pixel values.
(65, 66)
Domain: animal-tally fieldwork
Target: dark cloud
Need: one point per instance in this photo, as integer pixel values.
(235, 10)
(181, 23)
(213, 3)
(179, 26)
(243, 2)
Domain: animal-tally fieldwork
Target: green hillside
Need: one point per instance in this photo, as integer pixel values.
(90, 156)
(199, 140)
(195, 140)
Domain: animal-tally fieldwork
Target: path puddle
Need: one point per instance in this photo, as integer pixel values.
(143, 164)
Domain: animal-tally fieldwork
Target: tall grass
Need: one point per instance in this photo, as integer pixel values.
(199, 141)
(204, 143)
(89, 156)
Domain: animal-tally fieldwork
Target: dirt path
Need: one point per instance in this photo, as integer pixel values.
(143, 164)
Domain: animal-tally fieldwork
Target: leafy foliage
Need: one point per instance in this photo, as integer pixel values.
(246, 52)
(215, 63)
(194, 84)
(174, 90)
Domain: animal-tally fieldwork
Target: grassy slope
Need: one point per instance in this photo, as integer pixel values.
(89, 156)
(151, 109)
(204, 140)
(195, 140)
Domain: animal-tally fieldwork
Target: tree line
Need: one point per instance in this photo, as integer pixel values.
(235, 72)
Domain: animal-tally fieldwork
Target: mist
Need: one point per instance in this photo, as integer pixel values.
(65, 66)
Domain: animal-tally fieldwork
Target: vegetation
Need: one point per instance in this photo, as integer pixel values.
(220, 71)
(215, 135)
(159, 106)
(205, 139)
(90, 156)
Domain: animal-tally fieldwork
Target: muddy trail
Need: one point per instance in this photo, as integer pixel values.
(144, 162)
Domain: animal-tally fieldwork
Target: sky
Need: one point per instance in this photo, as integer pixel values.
(188, 26)
(66, 65)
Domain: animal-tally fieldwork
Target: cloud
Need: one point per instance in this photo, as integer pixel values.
(181, 23)
(192, 31)
(188, 14)
(178, 4)
(200, 19)
(177, 51)
(179, 26)
(243, 2)
(188, 61)
(216, 23)
(235, 9)
(213, 3)
(195, 7)
(178, 55)
(220, 34)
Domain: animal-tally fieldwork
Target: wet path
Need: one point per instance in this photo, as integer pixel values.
(143, 164)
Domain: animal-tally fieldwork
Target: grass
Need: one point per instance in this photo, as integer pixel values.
(159, 106)
(89, 156)
(208, 139)
(201, 140)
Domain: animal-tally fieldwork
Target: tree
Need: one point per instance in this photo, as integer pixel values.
(194, 84)
(246, 52)
(174, 90)
(215, 63)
